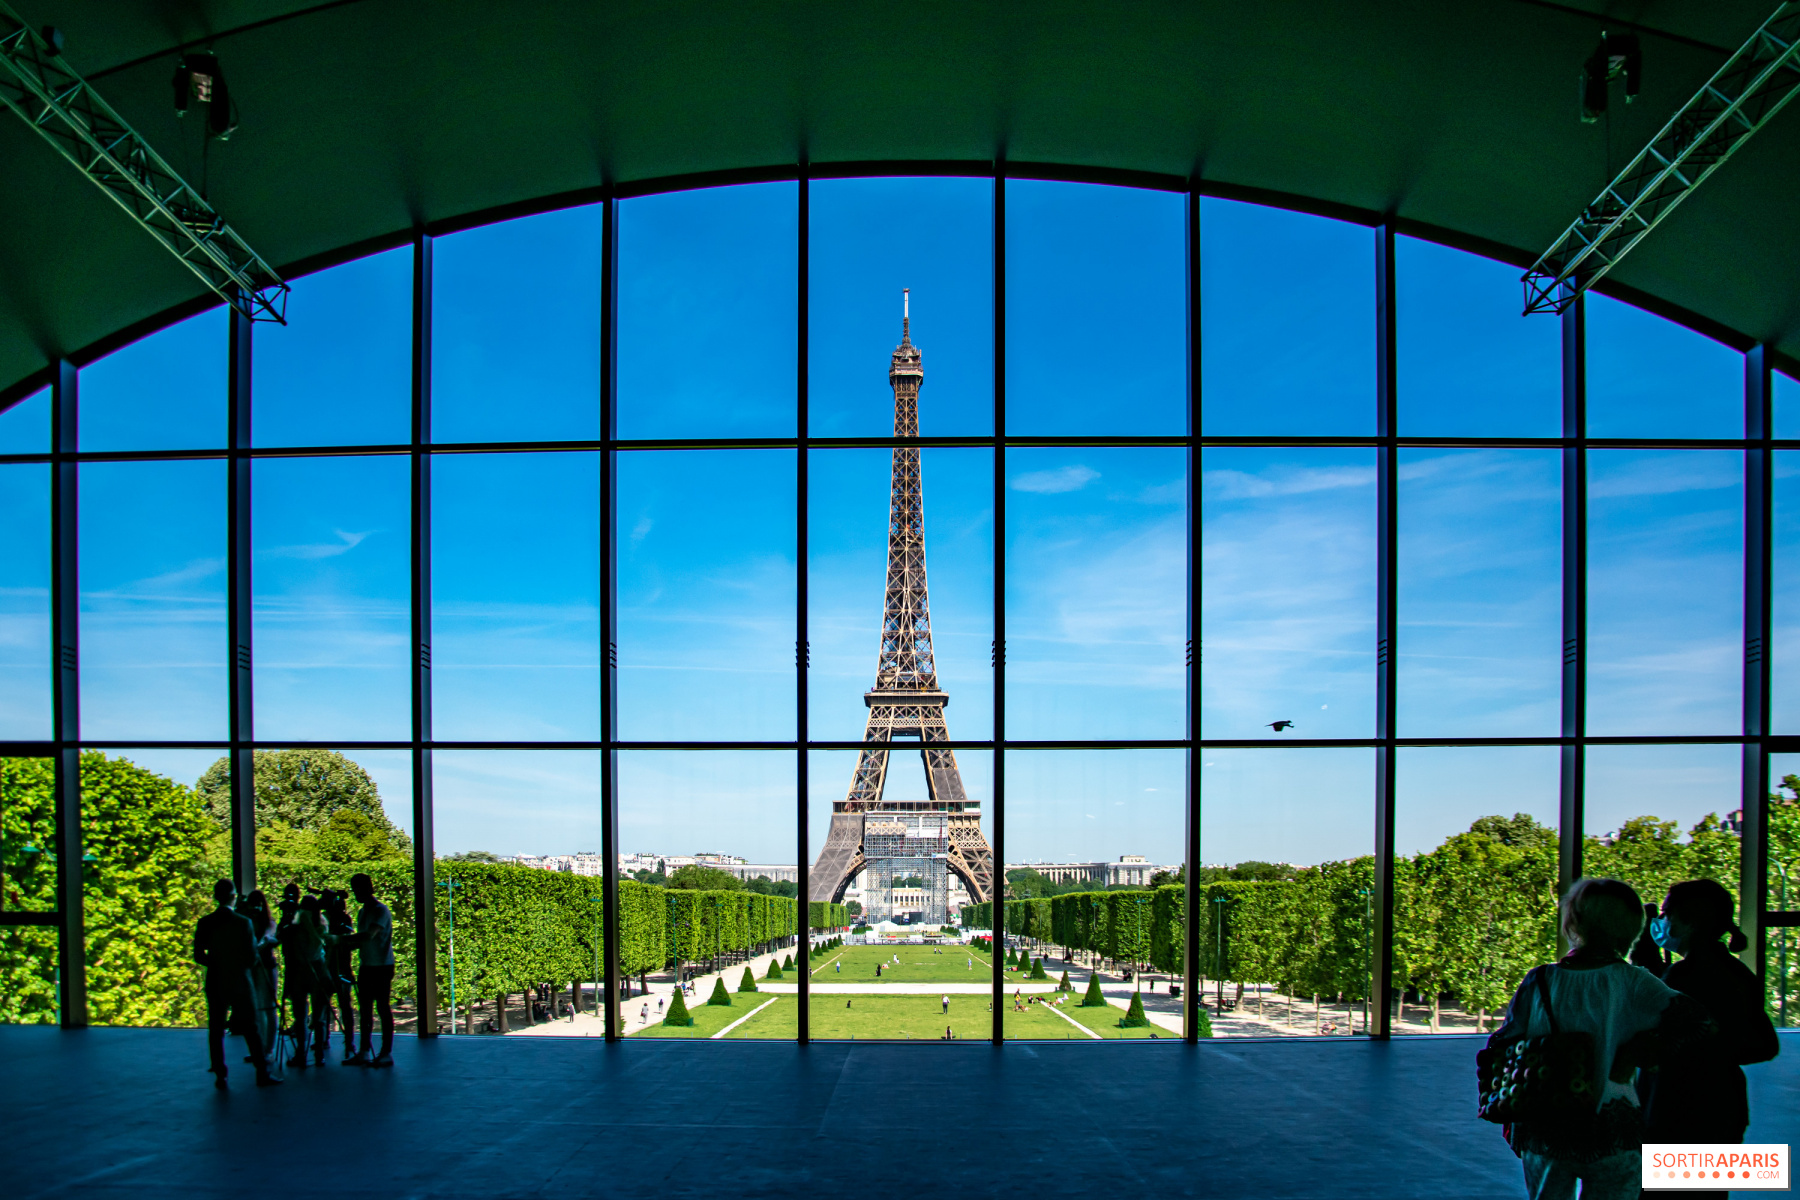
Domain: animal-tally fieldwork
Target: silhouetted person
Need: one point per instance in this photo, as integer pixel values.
(1647, 954)
(339, 963)
(1699, 1094)
(374, 942)
(265, 973)
(225, 945)
(306, 980)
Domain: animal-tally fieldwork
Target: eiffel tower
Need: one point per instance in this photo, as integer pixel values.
(889, 838)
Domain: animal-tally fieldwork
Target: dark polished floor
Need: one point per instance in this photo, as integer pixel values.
(117, 1112)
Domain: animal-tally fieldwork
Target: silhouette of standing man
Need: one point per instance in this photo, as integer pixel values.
(374, 942)
(226, 946)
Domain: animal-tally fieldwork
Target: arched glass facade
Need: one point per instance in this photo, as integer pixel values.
(1275, 562)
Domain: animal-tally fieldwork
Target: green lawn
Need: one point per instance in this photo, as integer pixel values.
(918, 964)
(708, 1018)
(1105, 1021)
(918, 1017)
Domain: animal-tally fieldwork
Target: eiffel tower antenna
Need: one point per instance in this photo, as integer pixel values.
(900, 839)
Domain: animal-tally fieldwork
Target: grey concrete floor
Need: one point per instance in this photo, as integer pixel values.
(117, 1112)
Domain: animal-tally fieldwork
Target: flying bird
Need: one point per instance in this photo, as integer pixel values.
(1278, 726)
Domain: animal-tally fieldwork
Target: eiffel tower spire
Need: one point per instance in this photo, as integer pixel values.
(889, 838)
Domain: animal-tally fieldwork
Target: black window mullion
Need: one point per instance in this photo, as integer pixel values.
(241, 721)
(997, 899)
(65, 618)
(802, 647)
(1572, 802)
(609, 775)
(1753, 832)
(1190, 958)
(1387, 393)
(424, 836)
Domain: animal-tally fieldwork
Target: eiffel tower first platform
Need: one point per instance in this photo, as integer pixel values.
(898, 839)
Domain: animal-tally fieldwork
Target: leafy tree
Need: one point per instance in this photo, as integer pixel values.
(693, 877)
(748, 983)
(301, 789)
(1521, 830)
(678, 1012)
(854, 908)
(1167, 878)
(481, 856)
(351, 835)
(719, 994)
(762, 885)
(1134, 1016)
(1093, 999)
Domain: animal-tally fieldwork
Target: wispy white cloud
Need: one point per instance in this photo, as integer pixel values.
(346, 542)
(1663, 474)
(1228, 484)
(1071, 478)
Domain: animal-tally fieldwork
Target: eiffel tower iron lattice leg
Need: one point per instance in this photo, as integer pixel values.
(943, 835)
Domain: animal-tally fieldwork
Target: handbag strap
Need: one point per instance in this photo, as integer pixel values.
(1543, 990)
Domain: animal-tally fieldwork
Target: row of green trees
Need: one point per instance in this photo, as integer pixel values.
(1471, 916)
(156, 847)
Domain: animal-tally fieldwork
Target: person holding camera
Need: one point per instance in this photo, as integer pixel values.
(225, 945)
(374, 942)
(340, 964)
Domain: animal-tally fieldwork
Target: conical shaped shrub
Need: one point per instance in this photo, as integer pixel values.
(678, 1012)
(789, 964)
(719, 994)
(1065, 985)
(1011, 960)
(774, 971)
(749, 981)
(1134, 1016)
(1093, 999)
(1037, 968)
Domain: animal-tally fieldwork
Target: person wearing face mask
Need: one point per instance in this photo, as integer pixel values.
(1700, 1095)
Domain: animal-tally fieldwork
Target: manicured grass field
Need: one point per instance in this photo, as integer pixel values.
(708, 1018)
(1105, 1022)
(918, 964)
(884, 1017)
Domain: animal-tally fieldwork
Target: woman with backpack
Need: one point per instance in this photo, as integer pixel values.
(1699, 1095)
(1574, 1036)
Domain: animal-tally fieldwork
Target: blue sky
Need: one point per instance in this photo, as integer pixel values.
(1095, 538)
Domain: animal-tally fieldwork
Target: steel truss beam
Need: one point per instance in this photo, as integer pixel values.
(39, 85)
(1739, 99)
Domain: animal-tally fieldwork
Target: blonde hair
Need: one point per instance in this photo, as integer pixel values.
(1602, 914)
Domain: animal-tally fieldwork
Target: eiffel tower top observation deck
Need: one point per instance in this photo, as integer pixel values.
(892, 838)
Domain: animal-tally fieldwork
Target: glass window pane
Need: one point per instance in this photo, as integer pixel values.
(519, 867)
(1475, 846)
(1665, 591)
(1783, 895)
(515, 340)
(708, 299)
(924, 861)
(1287, 322)
(706, 605)
(515, 580)
(1094, 843)
(1480, 593)
(1784, 649)
(164, 392)
(718, 829)
(848, 537)
(332, 608)
(25, 427)
(1470, 364)
(339, 373)
(1288, 838)
(1649, 377)
(1786, 396)
(154, 652)
(25, 659)
(28, 962)
(1288, 610)
(870, 239)
(1096, 309)
(1097, 593)
(1659, 814)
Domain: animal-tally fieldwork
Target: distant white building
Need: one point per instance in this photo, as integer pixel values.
(1131, 870)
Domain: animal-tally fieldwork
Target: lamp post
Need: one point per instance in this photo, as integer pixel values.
(599, 983)
(1368, 941)
(1781, 957)
(450, 886)
(1218, 950)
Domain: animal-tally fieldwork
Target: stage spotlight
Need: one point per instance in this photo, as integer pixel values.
(1619, 56)
(199, 82)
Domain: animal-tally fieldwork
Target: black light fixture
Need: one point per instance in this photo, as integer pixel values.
(1618, 56)
(200, 83)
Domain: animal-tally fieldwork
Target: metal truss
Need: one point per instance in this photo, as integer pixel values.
(50, 97)
(906, 700)
(1739, 99)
